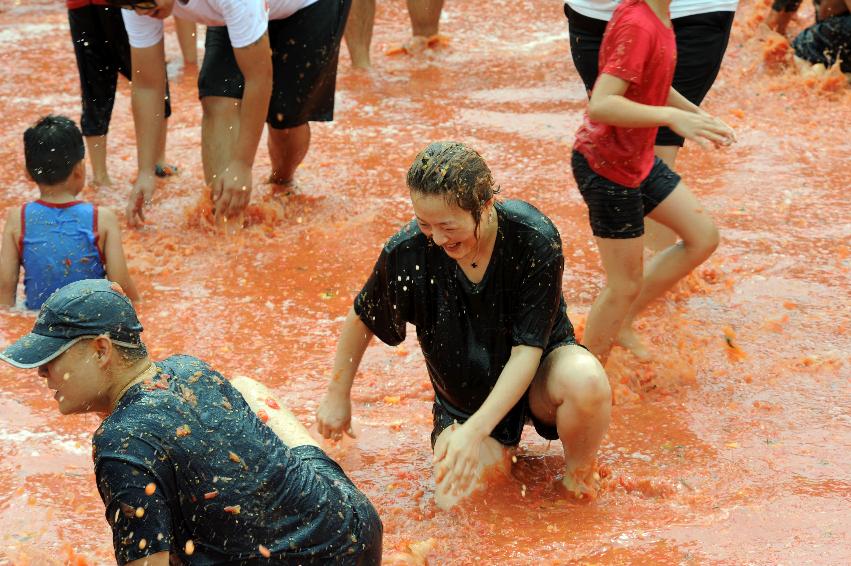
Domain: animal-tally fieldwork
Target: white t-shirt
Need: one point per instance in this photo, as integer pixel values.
(246, 20)
(602, 9)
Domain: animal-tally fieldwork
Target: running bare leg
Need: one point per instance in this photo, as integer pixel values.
(623, 263)
(658, 237)
(681, 212)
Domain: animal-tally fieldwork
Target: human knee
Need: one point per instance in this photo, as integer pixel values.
(624, 290)
(584, 384)
(709, 240)
(219, 106)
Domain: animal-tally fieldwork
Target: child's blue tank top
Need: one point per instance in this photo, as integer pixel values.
(58, 246)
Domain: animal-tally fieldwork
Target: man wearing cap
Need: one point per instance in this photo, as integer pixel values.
(188, 468)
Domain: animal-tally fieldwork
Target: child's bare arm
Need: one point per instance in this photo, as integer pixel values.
(608, 105)
(10, 261)
(113, 252)
(677, 100)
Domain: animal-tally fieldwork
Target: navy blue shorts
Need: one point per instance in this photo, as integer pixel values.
(614, 210)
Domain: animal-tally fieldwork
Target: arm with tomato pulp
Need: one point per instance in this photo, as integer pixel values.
(334, 415)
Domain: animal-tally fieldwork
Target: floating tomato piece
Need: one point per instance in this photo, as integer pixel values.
(272, 403)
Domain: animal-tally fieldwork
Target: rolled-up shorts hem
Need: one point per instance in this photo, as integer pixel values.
(614, 210)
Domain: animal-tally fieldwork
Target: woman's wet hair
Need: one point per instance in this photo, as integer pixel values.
(52, 148)
(457, 173)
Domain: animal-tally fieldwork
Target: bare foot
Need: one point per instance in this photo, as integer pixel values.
(418, 44)
(282, 188)
(627, 338)
(583, 482)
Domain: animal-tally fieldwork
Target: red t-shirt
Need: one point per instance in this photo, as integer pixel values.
(638, 48)
(74, 4)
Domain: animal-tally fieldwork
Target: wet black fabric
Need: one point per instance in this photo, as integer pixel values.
(305, 52)
(466, 330)
(102, 51)
(223, 479)
(614, 210)
(826, 42)
(507, 432)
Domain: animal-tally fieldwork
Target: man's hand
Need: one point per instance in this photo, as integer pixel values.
(457, 461)
(141, 196)
(232, 190)
(702, 128)
(334, 416)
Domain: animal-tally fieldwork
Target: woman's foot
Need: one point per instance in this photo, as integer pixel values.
(629, 339)
(583, 482)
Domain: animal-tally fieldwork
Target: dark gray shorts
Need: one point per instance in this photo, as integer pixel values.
(614, 210)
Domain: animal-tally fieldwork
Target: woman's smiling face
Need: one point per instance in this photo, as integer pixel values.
(448, 226)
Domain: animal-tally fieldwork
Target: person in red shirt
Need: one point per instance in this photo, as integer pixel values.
(622, 181)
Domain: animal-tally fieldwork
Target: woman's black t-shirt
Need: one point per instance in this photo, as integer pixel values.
(466, 330)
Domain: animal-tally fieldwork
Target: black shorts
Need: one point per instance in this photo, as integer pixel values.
(701, 42)
(369, 529)
(825, 42)
(614, 210)
(508, 431)
(102, 51)
(305, 50)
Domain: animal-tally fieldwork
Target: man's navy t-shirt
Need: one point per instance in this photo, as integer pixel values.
(223, 479)
(466, 330)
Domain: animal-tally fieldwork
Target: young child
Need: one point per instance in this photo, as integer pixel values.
(621, 181)
(59, 239)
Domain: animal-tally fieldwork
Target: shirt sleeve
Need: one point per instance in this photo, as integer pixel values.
(142, 31)
(246, 20)
(628, 48)
(384, 303)
(140, 517)
(539, 299)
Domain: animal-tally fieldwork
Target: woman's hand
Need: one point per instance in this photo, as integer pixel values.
(457, 461)
(334, 416)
